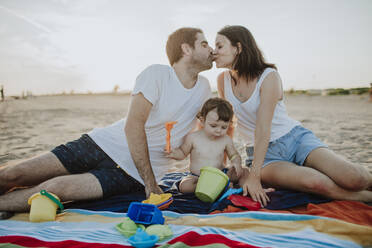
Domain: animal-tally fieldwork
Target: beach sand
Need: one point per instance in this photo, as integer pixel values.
(31, 126)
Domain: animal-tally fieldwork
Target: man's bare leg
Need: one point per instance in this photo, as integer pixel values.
(29, 172)
(305, 179)
(71, 187)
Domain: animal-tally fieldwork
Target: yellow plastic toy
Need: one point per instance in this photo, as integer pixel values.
(44, 206)
(162, 201)
(156, 199)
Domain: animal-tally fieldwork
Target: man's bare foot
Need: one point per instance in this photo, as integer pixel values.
(5, 215)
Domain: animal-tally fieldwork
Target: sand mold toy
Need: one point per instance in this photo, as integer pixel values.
(143, 240)
(162, 231)
(145, 213)
(44, 206)
(162, 201)
(128, 227)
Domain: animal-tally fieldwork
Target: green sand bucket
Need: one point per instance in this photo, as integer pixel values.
(210, 184)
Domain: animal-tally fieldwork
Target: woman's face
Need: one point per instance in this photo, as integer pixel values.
(224, 53)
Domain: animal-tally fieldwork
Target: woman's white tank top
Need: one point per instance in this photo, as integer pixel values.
(246, 112)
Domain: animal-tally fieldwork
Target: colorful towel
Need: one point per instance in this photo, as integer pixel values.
(350, 211)
(189, 203)
(82, 228)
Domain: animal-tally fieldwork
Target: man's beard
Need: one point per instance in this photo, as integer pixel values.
(202, 64)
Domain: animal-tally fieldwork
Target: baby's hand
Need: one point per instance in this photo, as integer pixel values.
(238, 169)
(174, 154)
(167, 154)
(231, 173)
(236, 161)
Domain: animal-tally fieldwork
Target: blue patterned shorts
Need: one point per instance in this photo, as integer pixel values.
(292, 147)
(84, 155)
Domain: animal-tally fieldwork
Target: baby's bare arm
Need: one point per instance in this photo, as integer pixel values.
(182, 151)
(234, 156)
(176, 154)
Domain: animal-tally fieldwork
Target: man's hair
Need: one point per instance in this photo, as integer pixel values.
(250, 63)
(176, 39)
(224, 109)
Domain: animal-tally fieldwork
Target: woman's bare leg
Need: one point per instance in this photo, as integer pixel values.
(290, 176)
(344, 173)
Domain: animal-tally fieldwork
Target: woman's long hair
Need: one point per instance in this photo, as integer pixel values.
(249, 63)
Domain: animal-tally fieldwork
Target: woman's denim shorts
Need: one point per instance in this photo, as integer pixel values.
(292, 147)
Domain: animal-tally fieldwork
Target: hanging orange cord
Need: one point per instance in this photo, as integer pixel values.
(168, 127)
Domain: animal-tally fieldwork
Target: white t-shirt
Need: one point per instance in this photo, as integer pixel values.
(246, 112)
(171, 101)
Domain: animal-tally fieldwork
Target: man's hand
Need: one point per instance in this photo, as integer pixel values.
(153, 189)
(139, 111)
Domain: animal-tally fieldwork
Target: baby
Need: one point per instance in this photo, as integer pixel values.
(209, 144)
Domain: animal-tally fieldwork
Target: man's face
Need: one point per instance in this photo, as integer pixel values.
(202, 56)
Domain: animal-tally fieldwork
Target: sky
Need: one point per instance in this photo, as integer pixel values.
(55, 46)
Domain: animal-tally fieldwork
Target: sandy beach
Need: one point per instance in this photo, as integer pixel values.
(31, 126)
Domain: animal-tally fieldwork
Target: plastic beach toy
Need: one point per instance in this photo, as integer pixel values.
(210, 184)
(244, 201)
(168, 127)
(128, 228)
(144, 213)
(231, 192)
(142, 240)
(162, 231)
(226, 194)
(162, 201)
(44, 206)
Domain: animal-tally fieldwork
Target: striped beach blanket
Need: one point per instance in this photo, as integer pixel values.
(85, 228)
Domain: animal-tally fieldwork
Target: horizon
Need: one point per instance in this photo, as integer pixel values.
(127, 92)
(93, 45)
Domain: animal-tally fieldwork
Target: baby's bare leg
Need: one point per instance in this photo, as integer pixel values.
(188, 184)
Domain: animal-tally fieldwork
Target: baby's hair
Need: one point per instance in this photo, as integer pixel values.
(224, 109)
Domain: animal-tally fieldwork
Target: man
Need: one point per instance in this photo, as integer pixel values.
(126, 156)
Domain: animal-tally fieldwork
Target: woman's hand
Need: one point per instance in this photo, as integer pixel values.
(251, 183)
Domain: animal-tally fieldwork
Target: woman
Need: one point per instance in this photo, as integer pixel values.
(282, 153)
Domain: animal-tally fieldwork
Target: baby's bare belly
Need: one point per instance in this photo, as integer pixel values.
(197, 164)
